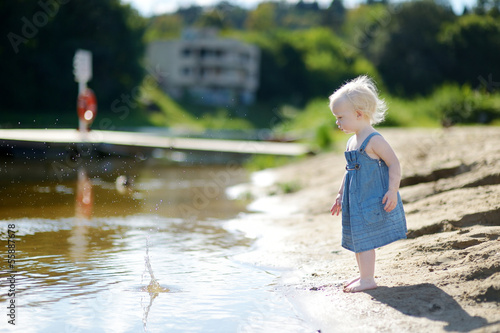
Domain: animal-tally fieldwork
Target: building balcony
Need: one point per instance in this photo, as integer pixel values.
(227, 61)
(226, 80)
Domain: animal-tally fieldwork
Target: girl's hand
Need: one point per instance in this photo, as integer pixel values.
(337, 206)
(390, 200)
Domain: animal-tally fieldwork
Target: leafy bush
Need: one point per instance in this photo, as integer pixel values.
(261, 162)
(462, 105)
(314, 123)
(297, 66)
(416, 112)
(473, 45)
(323, 136)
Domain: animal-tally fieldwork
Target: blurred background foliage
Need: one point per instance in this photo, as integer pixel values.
(434, 67)
(38, 78)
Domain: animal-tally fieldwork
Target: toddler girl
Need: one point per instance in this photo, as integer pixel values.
(372, 211)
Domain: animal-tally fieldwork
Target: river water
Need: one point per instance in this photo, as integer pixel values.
(82, 243)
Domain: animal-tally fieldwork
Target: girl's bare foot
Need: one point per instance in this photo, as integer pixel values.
(360, 285)
(351, 281)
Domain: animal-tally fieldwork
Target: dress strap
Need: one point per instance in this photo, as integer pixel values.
(365, 143)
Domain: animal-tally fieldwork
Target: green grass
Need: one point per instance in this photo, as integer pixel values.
(419, 112)
(170, 113)
(261, 162)
(450, 104)
(155, 108)
(167, 112)
(314, 124)
(45, 119)
(69, 119)
(289, 187)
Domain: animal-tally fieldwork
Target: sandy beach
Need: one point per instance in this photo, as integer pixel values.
(444, 278)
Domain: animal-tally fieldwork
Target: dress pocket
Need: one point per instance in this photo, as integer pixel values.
(373, 210)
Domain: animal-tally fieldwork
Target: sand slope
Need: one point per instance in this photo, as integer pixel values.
(444, 277)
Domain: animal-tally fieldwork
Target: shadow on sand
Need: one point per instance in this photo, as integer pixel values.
(427, 300)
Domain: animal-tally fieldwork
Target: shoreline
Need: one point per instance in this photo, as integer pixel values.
(444, 277)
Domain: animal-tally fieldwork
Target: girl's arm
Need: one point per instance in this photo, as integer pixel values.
(385, 152)
(337, 206)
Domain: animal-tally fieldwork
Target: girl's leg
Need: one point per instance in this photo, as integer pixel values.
(366, 264)
(354, 279)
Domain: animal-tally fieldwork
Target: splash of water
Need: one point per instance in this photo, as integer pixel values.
(153, 286)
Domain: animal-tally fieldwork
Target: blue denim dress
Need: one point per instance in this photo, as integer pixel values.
(365, 223)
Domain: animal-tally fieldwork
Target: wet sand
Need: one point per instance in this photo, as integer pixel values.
(444, 277)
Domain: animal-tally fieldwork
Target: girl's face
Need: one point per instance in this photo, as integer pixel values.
(347, 118)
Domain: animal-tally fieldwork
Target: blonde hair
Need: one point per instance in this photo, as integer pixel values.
(363, 95)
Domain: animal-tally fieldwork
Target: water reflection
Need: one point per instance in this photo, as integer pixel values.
(78, 241)
(82, 254)
(194, 192)
(84, 196)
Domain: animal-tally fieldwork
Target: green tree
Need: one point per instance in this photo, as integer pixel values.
(213, 19)
(327, 65)
(407, 52)
(473, 45)
(165, 26)
(233, 15)
(491, 7)
(334, 15)
(362, 24)
(263, 18)
(299, 65)
(283, 74)
(190, 14)
(41, 71)
(301, 16)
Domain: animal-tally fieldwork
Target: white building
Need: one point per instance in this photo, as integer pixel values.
(208, 69)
